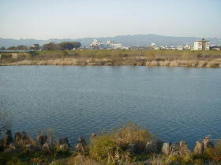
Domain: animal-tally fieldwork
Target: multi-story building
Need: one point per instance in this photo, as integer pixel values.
(108, 45)
(201, 45)
(96, 44)
(113, 45)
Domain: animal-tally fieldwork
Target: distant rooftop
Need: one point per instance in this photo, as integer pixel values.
(203, 40)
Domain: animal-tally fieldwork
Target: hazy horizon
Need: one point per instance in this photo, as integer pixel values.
(71, 19)
(95, 37)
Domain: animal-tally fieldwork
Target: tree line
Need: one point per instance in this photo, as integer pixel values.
(48, 46)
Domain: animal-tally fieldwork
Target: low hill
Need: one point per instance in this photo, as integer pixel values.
(127, 40)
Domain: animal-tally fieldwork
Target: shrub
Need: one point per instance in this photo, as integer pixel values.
(103, 147)
(215, 153)
(119, 144)
(179, 160)
(132, 134)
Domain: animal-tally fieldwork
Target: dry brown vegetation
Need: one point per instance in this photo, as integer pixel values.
(125, 146)
(170, 58)
(117, 145)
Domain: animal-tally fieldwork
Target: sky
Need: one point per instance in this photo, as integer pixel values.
(49, 19)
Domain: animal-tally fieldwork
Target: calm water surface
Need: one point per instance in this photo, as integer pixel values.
(173, 103)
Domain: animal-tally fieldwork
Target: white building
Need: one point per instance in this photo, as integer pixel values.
(95, 44)
(180, 47)
(201, 45)
(187, 47)
(154, 46)
(112, 45)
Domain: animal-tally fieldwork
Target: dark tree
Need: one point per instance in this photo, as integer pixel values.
(2, 48)
(12, 48)
(70, 45)
(62, 46)
(51, 46)
(22, 47)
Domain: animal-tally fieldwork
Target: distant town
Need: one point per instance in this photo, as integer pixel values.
(198, 45)
(201, 53)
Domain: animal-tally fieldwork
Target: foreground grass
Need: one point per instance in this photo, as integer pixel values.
(119, 145)
(129, 145)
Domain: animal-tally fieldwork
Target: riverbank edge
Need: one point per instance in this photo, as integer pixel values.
(127, 145)
(108, 62)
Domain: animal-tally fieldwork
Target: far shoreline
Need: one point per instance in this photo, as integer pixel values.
(149, 58)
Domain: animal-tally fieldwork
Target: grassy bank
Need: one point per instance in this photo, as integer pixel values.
(170, 58)
(129, 145)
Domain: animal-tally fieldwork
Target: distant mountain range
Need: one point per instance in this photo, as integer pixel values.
(126, 40)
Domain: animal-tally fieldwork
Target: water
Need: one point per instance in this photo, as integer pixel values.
(173, 103)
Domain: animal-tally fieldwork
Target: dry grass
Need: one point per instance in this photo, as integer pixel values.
(132, 134)
(119, 144)
(170, 58)
(82, 160)
(76, 160)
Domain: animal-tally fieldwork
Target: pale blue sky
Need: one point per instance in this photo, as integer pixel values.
(44, 19)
